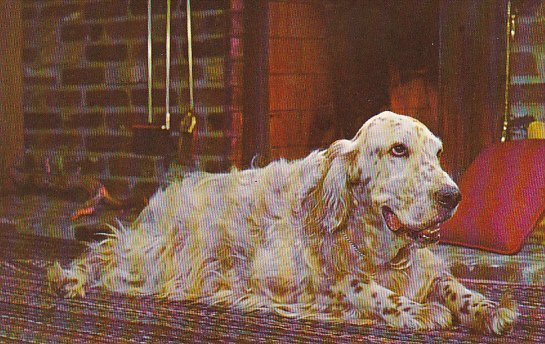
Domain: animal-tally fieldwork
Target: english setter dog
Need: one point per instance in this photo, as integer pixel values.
(338, 235)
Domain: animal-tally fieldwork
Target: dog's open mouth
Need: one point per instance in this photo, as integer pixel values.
(424, 236)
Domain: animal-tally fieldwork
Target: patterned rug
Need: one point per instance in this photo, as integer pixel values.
(28, 314)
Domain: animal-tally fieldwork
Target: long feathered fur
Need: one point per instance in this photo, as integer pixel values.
(305, 239)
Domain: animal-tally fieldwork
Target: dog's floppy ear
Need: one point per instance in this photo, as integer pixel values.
(334, 197)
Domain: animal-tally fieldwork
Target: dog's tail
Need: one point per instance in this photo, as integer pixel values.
(73, 280)
(84, 271)
(56, 277)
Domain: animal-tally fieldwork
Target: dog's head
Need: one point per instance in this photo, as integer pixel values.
(390, 174)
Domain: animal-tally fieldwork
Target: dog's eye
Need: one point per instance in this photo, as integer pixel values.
(399, 150)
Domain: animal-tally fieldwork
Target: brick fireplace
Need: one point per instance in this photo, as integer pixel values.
(330, 65)
(85, 84)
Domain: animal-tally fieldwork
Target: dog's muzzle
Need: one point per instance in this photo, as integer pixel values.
(423, 236)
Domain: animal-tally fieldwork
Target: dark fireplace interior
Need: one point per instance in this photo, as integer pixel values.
(334, 64)
(384, 55)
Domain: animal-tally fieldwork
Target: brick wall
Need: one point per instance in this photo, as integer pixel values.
(527, 77)
(85, 83)
(299, 79)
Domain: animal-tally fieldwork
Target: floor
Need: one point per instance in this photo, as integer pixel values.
(37, 229)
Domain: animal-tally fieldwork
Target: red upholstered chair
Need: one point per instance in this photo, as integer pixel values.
(503, 198)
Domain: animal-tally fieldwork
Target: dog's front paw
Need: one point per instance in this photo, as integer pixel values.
(495, 318)
(418, 316)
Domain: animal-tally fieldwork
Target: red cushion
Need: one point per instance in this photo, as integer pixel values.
(503, 198)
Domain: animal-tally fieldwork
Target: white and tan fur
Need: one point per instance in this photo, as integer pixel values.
(305, 239)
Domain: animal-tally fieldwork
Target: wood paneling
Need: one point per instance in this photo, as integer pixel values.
(255, 132)
(11, 87)
(472, 78)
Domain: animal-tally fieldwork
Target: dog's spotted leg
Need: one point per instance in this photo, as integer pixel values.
(368, 298)
(472, 308)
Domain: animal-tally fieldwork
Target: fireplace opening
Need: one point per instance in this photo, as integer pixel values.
(334, 64)
(384, 56)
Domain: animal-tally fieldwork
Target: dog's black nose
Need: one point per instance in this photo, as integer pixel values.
(448, 197)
